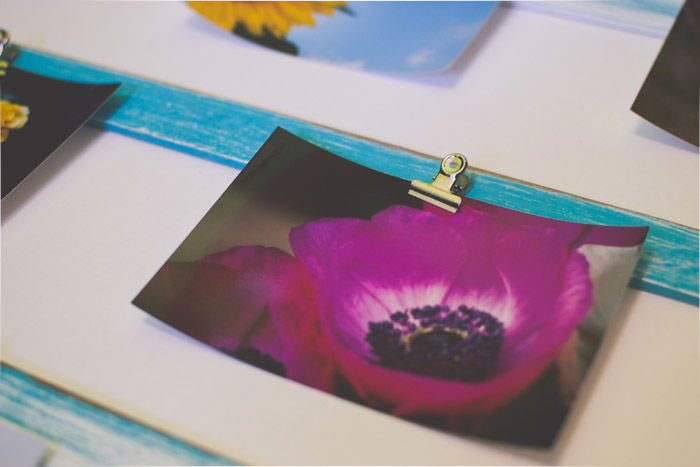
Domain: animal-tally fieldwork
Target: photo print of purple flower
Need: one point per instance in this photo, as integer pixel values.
(482, 322)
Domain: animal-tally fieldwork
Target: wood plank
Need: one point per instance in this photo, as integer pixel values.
(85, 434)
(231, 133)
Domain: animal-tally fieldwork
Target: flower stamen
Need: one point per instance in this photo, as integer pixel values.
(436, 341)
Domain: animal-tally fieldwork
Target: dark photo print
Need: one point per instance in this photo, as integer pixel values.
(38, 115)
(669, 96)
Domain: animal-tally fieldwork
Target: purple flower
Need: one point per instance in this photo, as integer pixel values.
(251, 302)
(430, 313)
(418, 312)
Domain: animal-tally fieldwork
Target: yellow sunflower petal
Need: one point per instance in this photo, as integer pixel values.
(219, 13)
(277, 17)
(298, 12)
(278, 22)
(14, 116)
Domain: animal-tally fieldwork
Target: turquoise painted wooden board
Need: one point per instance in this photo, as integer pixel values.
(231, 133)
(83, 434)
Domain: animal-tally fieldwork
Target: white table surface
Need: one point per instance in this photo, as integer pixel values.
(539, 98)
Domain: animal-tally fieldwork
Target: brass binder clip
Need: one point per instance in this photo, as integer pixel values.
(7, 52)
(450, 179)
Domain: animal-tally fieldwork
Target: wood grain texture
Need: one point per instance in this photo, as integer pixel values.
(82, 434)
(231, 133)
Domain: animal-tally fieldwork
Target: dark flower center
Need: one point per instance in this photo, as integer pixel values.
(435, 341)
(260, 359)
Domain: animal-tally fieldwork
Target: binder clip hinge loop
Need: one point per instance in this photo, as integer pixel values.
(448, 181)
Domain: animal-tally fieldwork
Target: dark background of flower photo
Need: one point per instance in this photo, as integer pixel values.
(56, 110)
(287, 183)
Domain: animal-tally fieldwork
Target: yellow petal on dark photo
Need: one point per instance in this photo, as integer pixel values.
(12, 117)
(277, 18)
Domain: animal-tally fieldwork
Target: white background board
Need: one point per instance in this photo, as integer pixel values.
(539, 98)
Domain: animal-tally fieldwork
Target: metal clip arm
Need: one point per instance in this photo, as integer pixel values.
(450, 179)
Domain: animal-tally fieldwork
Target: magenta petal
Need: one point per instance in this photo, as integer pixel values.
(369, 269)
(293, 305)
(242, 299)
(212, 303)
(527, 276)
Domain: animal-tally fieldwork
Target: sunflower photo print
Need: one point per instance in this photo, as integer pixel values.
(388, 37)
(482, 322)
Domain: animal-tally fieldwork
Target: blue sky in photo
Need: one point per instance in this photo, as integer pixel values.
(393, 36)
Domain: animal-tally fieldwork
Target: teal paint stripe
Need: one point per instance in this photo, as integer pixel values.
(231, 133)
(89, 433)
(666, 8)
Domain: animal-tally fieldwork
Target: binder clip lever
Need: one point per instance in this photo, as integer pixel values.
(449, 180)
